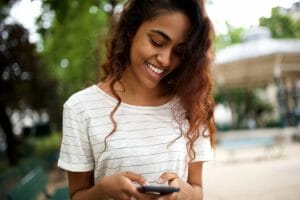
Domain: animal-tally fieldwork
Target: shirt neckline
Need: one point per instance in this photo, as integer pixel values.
(114, 101)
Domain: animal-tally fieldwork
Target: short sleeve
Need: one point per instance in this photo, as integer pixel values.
(75, 152)
(203, 149)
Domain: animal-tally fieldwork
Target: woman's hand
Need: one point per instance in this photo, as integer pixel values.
(120, 187)
(186, 190)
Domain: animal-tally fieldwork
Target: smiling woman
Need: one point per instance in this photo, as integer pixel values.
(154, 50)
(149, 120)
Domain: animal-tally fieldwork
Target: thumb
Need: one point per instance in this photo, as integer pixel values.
(167, 177)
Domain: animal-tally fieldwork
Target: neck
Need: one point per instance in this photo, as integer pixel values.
(133, 93)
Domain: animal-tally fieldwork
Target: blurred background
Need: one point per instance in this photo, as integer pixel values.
(51, 48)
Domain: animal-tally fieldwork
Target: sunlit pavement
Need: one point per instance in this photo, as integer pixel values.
(253, 174)
(249, 174)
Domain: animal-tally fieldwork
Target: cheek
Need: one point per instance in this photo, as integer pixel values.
(139, 47)
(135, 55)
(136, 58)
(142, 52)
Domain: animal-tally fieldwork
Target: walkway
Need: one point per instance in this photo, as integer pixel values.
(251, 176)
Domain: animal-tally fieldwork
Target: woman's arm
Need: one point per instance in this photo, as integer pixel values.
(195, 178)
(80, 184)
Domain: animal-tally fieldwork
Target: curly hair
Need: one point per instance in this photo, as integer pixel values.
(191, 82)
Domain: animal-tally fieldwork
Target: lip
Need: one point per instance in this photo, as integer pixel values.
(153, 75)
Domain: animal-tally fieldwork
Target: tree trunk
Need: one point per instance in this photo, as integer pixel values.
(11, 150)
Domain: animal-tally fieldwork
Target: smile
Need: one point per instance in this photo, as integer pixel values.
(154, 69)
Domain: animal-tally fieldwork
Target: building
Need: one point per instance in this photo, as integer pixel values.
(294, 11)
(270, 64)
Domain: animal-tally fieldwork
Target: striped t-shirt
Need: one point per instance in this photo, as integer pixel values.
(142, 142)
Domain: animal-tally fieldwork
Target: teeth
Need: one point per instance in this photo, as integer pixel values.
(155, 69)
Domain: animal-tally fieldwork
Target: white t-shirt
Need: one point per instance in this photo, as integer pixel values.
(142, 142)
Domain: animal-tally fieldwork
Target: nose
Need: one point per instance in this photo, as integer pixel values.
(164, 58)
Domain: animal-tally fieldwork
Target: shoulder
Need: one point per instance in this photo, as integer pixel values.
(82, 97)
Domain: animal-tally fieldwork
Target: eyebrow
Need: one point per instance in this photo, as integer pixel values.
(164, 35)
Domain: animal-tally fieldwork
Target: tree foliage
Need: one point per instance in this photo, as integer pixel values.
(74, 43)
(72, 39)
(233, 36)
(281, 24)
(23, 83)
(245, 104)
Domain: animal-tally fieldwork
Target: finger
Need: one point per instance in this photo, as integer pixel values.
(125, 196)
(172, 196)
(135, 177)
(141, 196)
(174, 182)
(167, 176)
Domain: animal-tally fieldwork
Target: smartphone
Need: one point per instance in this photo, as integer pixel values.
(159, 190)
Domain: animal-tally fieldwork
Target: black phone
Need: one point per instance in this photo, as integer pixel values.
(159, 190)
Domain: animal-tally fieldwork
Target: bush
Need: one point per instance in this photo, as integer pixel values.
(44, 145)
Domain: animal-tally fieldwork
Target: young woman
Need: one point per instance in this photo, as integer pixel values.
(150, 119)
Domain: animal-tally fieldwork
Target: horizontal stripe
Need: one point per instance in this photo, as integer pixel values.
(146, 139)
(143, 155)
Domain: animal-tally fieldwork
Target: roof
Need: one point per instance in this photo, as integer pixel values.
(258, 48)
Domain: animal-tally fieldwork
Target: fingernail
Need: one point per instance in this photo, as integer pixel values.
(160, 180)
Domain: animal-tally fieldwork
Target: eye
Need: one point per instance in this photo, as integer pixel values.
(156, 43)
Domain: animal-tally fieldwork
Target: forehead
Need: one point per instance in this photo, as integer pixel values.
(175, 25)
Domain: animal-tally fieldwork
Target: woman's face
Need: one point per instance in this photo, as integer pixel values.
(157, 47)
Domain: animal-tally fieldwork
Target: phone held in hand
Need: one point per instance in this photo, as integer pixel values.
(159, 190)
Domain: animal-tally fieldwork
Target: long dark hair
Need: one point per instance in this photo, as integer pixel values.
(191, 82)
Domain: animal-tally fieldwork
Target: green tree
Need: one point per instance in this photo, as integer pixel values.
(245, 104)
(281, 24)
(233, 36)
(23, 82)
(74, 43)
